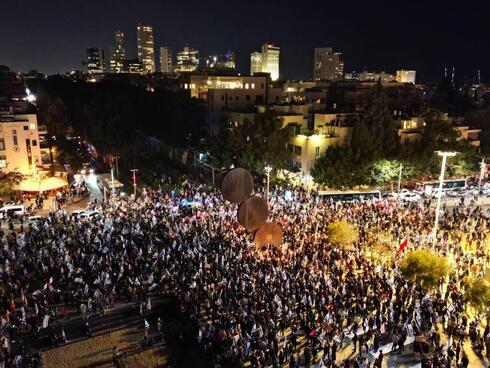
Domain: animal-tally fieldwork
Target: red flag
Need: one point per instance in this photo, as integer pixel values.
(403, 245)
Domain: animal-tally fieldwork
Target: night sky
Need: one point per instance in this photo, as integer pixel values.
(52, 35)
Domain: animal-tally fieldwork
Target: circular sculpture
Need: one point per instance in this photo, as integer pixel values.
(252, 213)
(269, 233)
(237, 185)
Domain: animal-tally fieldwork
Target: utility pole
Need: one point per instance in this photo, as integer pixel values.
(444, 155)
(116, 158)
(134, 171)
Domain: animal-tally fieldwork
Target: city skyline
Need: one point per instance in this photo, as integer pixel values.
(367, 40)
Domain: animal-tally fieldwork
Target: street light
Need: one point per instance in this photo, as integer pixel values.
(483, 168)
(134, 171)
(268, 170)
(400, 178)
(444, 156)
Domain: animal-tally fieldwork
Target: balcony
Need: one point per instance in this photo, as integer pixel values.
(42, 129)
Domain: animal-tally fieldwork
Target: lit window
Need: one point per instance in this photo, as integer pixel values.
(32, 126)
(317, 151)
(247, 86)
(3, 162)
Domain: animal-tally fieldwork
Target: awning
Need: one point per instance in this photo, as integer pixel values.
(33, 185)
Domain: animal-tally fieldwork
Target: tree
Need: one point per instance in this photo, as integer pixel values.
(380, 124)
(380, 253)
(479, 119)
(255, 143)
(8, 182)
(342, 233)
(424, 268)
(478, 294)
(362, 142)
(52, 113)
(337, 168)
(383, 171)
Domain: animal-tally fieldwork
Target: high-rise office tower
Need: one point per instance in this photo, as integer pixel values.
(255, 63)
(166, 62)
(95, 60)
(270, 60)
(118, 53)
(146, 51)
(187, 60)
(266, 61)
(405, 76)
(328, 65)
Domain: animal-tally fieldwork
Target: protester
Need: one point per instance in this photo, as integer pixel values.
(296, 304)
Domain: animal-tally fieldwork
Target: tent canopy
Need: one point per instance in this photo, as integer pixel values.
(33, 185)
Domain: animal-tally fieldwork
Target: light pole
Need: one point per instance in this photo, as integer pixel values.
(444, 155)
(483, 168)
(268, 170)
(134, 171)
(112, 183)
(400, 178)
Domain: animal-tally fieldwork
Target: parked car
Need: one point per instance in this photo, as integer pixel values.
(409, 196)
(457, 193)
(13, 211)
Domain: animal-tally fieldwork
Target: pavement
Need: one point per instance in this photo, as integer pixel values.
(123, 326)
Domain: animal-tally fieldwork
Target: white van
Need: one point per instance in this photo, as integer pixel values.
(10, 211)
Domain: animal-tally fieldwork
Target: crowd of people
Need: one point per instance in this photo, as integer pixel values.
(296, 305)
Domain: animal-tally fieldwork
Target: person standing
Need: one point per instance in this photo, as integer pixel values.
(378, 363)
(464, 360)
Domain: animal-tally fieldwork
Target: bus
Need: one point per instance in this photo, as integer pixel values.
(350, 196)
(105, 183)
(447, 185)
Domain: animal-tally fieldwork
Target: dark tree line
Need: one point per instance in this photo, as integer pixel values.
(118, 118)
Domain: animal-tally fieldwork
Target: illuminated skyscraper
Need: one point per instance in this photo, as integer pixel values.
(118, 53)
(255, 63)
(146, 51)
(270, 60)
(187, 60)
(166, 62)
(328, 65)
(266, 61)
(95, 60)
